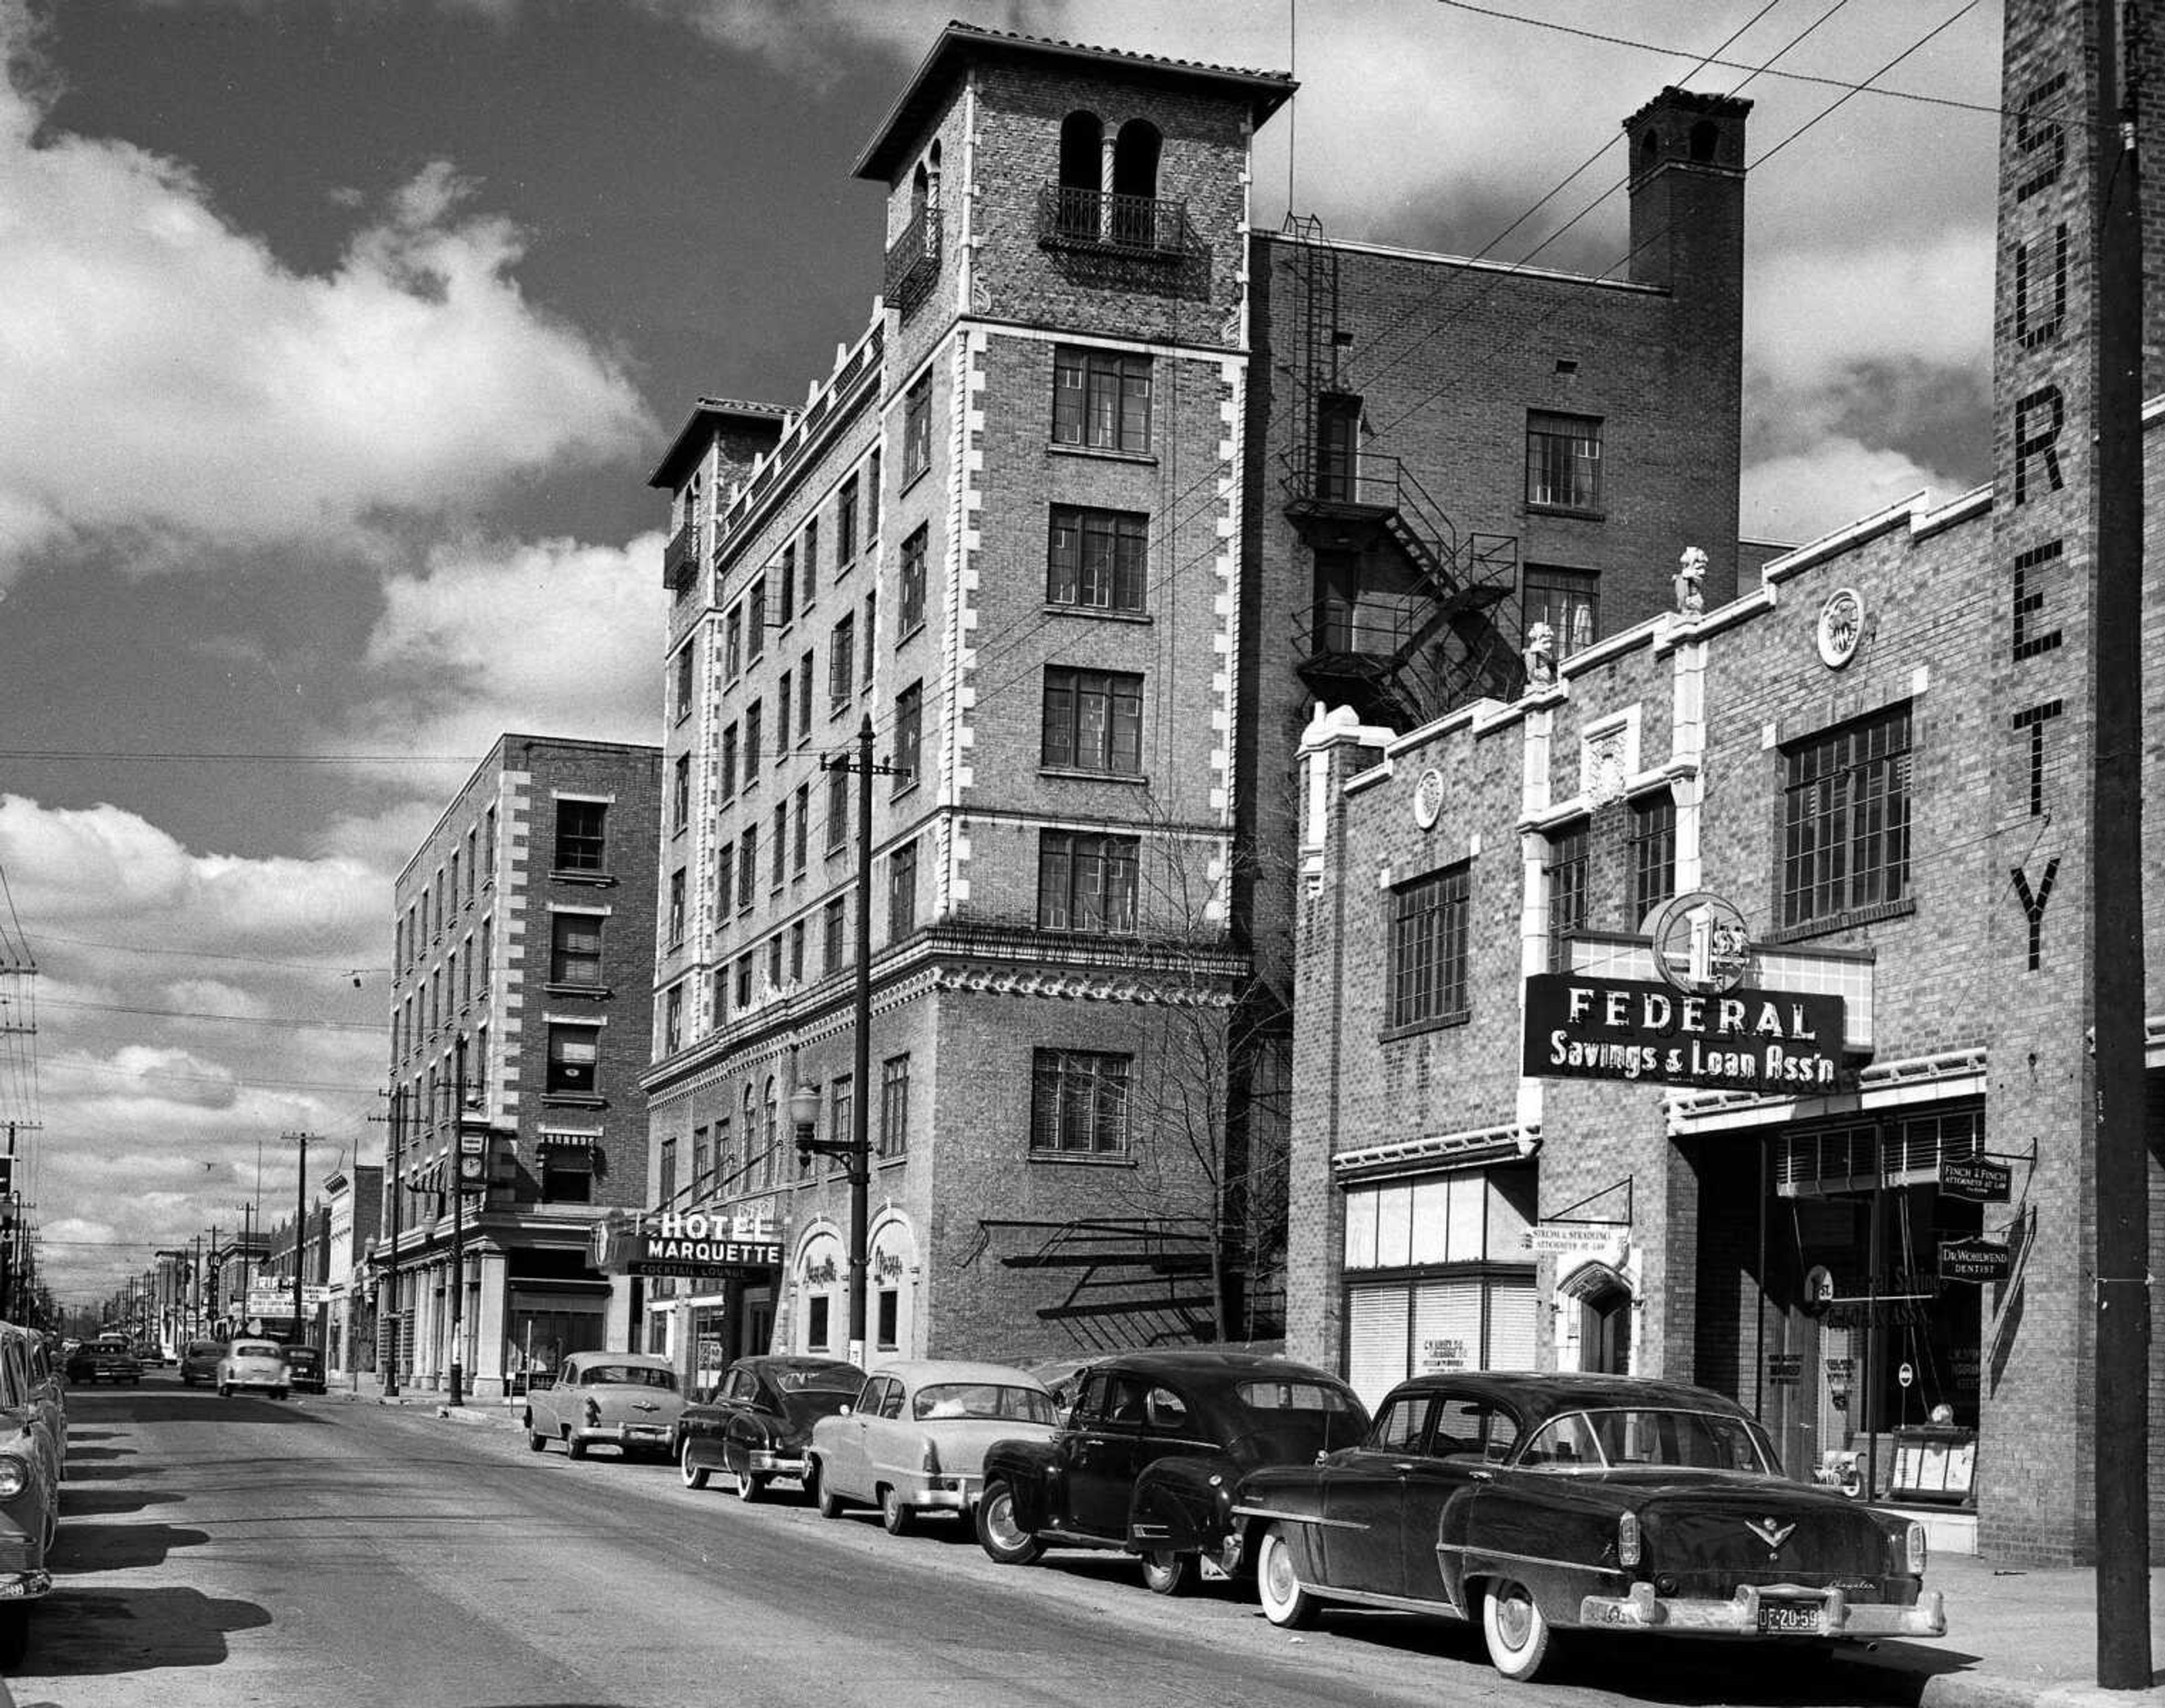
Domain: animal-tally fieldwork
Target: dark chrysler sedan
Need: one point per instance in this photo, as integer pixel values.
(1536, 1504)
(1147, 1460)
(757, 1426)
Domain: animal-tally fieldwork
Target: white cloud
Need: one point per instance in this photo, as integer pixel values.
(146, 333)
(1798, 497)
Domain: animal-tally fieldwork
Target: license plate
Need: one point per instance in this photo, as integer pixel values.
(1792, 1618)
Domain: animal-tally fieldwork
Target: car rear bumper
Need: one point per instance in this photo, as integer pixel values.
(946, 1494)
(25, 1586)
(1750, 1612)
(658, 1437)
(775, 1464)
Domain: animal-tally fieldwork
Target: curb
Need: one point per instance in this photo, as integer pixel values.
(1988, 1691)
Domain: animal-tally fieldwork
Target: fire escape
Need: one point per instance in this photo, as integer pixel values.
(1140, 1281)
(1400, 626)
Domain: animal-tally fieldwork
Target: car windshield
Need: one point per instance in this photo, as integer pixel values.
(984, 1399)
(257, 1349)
(1643, 1435)
(627, 1376)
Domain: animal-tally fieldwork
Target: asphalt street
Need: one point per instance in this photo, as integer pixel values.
(328, 1551)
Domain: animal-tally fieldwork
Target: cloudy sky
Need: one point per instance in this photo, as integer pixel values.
(340, 336)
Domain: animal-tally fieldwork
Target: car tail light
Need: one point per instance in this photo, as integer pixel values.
(14, 1476)
(1913, 1549)
(593, 1411)
(931, 1465)
(1627, 1539)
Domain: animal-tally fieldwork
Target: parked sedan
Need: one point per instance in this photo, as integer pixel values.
(759, 1423)
(29, 1495)
(624, 1400)
(916, 1439)
(254, 1364)
(1538, 1504)
(306, 1364)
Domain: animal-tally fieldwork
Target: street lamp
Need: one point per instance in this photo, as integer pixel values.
(855, 1152)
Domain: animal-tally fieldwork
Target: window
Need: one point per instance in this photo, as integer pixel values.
(666, 1189)
(677, 907)
(871, 633)
(837, 810)
(473, 866)
(894, 1107)
(580, 840)
(723, 1162)
(454, 890)
(1653, 854)
(574, 1052)
(811, 556)
(833, 936)
(487, 945)
(841, 1107)
(743, 997)
(841, 664)
(913, 584)
(1101, 400)
(889, 1312)
(872, 496)
(1427, 979)
(730, 762)
(1337, 446)
(917, 429)
(781, 845)
(684, 683)
(774, 958)
(567, 1174)
(845, 522)
(733, 644)
(1094, 722)
(908, 735)
(488, 844)
(725, 863)
(1563, 460)
(752, 750)
(815, 1324)
(747, 865)
(781, 705)
(800, 842)
(756, 620)
(1569, 600)
(797, 952)
(805, 701)
(901, 891)
(702, 1160)
(786, 591)
(1078, 1103)
(680, 793)
(575, 949)
(672, 1020)
(1846, 830)
(1563, 872)
(1098, 559)
(1086, 882)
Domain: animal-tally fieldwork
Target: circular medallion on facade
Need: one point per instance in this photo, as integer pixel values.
(1428, 798)
(1700, 943)
(1840, 626)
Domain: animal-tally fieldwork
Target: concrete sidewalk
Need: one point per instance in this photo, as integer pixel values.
(2017, 1638)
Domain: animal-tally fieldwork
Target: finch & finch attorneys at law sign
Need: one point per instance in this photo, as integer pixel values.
(1740, 1040)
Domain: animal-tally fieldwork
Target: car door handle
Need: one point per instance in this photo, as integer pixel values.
(1403, 1468)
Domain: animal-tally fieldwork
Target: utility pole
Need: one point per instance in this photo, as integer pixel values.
(2121, 1295)
(300, 1224)
(397, 1195)
(458, 1185)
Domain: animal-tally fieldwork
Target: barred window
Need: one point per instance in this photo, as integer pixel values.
(1093, 721)
(1078, 1103)
(1101, 399)
(1845, 834)
(1428, 949)
(1563, 874)
(913, 582)
(1653, 854)
(1563, 460)
(894, 1107)
(1087, 882)
(1097, 558)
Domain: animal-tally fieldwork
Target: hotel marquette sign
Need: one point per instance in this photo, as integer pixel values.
(1699, 1026)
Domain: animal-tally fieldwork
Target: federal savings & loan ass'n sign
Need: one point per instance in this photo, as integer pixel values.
(1737, 1040)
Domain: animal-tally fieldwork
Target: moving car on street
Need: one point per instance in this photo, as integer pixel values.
(1540, 1503)
(759, 1423)
(628, 1401)
(1150, 1455)
(254, 1364)
(306, 1365)
(108, 1358)
(916, 1439)
(199, 1361)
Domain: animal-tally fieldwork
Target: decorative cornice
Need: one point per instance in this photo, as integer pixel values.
(1438, 1153)
(1073, 985)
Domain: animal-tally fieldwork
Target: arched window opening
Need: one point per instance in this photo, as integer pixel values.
(1081, 144)
(930, 170)
(1649, 151)
(920, 185)
(1704, 136)
(1135, 184)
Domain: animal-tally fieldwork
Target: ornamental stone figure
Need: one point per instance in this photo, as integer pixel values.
(1691, 572)
(1539, 656)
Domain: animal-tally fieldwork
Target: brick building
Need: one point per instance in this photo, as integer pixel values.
(1878, 754)
(523, 935)
(1108, 488)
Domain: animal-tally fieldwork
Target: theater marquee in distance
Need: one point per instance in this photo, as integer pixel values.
(1779, 1042)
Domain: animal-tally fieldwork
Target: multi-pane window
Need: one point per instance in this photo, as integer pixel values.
(782, 702)
(786, 589)
(677, 907)
(842, 1106)
(575, 948)
(574, 1055)
(1101, 399)
(672, 1019)
(729, 779)
(1086, 882)
(581, 840)
(1563, 874)
(1097, 558)
(1846, 830)
(1427, 975)
(797, 952)
(800, 841)
(913, 582)
(680, 793)
(833, 936)
(726, 861)
(1093, 721)
(838, 809)
(668, 1186)
(908, 734)
(752, 746)
(774, 952)
(1653, 853)
(841, 664)
(901, 891)
(684, 682)
(1569, 600)
(917, 429)
(1078, 1103)
(780, 841)
(845, 522)
(1563, 460)
(733, 644)
(747, 865)
(725, 1160)
(805, 700)
(756, 620)
(894, 1107)
(743, 997)
(703, 1159)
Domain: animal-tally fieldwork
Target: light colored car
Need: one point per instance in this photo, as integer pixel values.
(254, 1364)
(625, 1399)
(30, 1494)
(199, 1361)
(916, 1439)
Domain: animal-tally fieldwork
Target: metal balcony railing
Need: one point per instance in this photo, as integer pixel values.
(1068, 217)
(912, 261)
(680, 562)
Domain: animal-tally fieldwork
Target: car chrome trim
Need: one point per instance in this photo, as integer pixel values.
(1377, 1598)
(1284, 1517)
(1642, 1610)
(1480, 1551)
